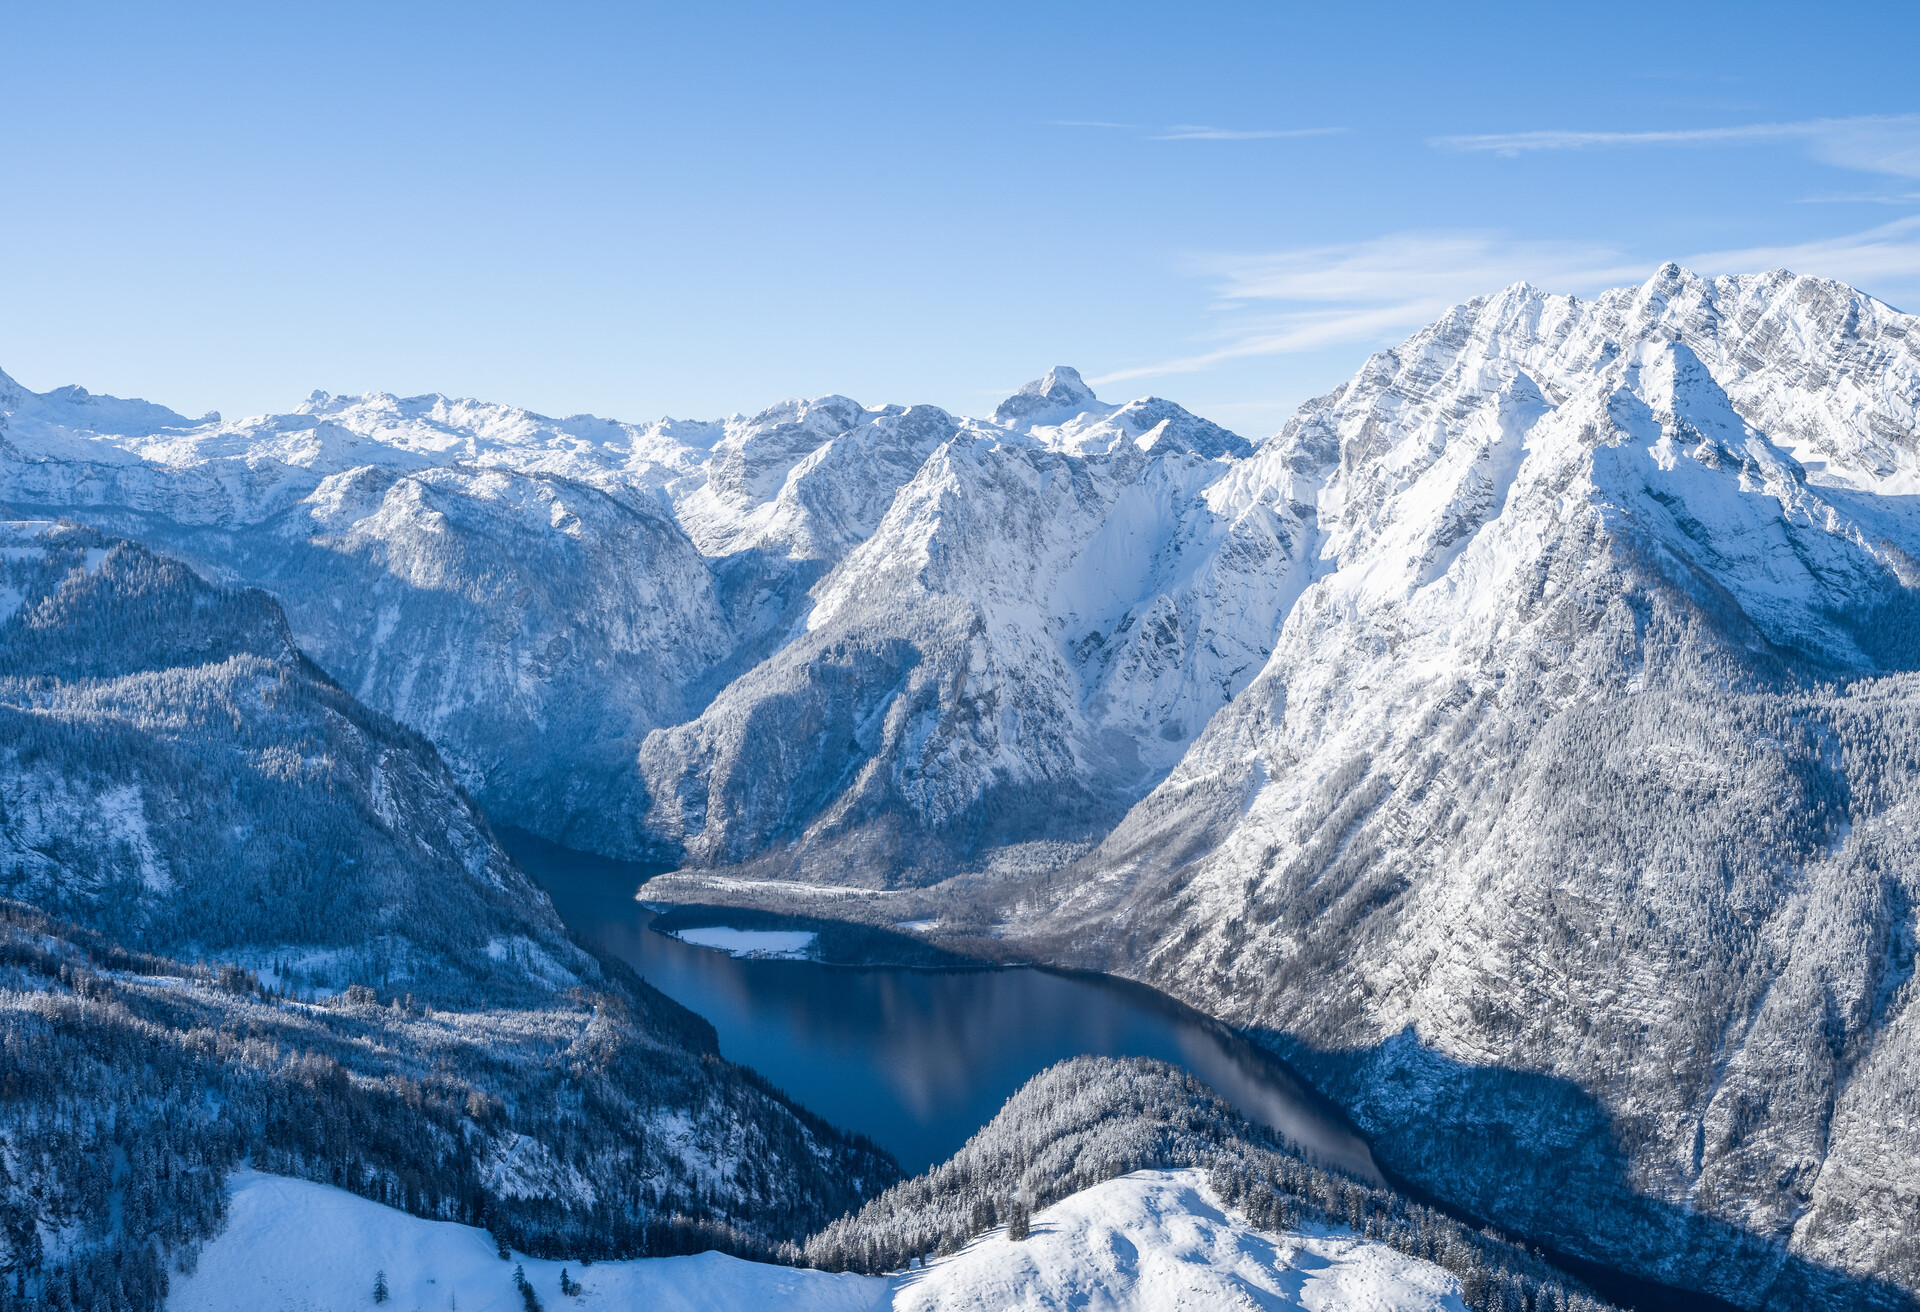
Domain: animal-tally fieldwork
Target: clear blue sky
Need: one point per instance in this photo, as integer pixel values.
(641, 210)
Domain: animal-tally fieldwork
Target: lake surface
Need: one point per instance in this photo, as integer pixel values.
(917, 1060)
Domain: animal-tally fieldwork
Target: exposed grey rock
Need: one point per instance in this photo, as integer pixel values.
(1565, 836)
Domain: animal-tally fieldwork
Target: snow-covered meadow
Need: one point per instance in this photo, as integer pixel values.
(771, 944)
(1148, 1241)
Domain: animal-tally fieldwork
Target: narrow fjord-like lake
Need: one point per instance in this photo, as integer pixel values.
(918, 1059)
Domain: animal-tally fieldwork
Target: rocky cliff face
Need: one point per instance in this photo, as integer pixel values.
(1564, 836)
(1029, 638)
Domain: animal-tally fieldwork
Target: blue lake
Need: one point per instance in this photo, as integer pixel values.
(918, 1059)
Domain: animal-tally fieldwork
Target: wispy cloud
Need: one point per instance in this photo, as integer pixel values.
(1197, 131)
(1872, 144)
(1884, 257)
(1516, 143)
(1375, 292)
(1409, 266)
(1863, 198)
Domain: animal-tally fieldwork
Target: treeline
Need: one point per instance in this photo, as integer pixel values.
(1278, 1192)
(1093, 1119)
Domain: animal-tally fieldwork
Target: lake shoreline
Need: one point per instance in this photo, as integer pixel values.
(600, 899)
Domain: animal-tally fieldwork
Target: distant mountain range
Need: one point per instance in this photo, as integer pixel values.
(1523, 740)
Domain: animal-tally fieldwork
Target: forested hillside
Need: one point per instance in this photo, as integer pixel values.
(1093, 1119)
(250, 920)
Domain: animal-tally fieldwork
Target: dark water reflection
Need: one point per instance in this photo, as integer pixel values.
(919, 1059)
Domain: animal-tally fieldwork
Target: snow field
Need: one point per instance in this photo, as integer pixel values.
(1152, 1241)
(294, 1246)
(778, 944)
(1155, 1241)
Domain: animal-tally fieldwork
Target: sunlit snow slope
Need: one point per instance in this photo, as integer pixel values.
(1143, 1243)
(539, 596)
(1567, 836)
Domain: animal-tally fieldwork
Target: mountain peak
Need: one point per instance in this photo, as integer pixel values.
(1062, 387)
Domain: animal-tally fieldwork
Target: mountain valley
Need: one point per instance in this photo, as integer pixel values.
(1522, 743)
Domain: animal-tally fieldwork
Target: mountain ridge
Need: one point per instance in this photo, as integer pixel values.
(1518, 740)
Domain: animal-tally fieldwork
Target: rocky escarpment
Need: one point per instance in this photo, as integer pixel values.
(1565, 837)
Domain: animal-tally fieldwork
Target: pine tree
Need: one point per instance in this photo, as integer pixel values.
(380, 1286)
(525, 1286)
(1018, 1223)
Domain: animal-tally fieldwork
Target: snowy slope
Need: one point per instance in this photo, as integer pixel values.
(519, 588)
(177, 775)
(534, 628)
(537, 595)
(497, 580)
(1544, 820)
(1142, 1243)
(1026, 642)
(390, 999)
(1155, 1240)
(292, 1246)
(803, 478)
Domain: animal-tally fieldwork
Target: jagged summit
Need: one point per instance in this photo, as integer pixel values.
(1061, 390)
(1062, 412)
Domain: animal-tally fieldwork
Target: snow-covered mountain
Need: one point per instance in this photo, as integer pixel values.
(1573, 808)
(1521, 739)
(1050, 609)
(515, 587)
(539, 596)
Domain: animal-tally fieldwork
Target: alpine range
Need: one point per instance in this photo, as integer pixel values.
(1524, 743)
(1426, 821)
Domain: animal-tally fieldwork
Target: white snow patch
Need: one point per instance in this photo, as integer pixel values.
(523, 1167)
(122, 815)
(1157, 1239)
(776, 944)
(294, 1246)
(532, 957)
